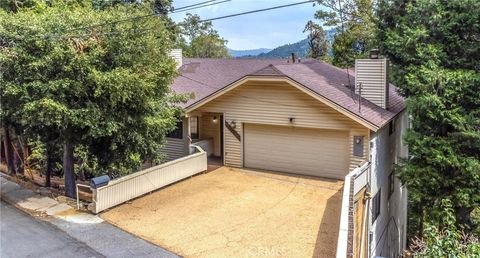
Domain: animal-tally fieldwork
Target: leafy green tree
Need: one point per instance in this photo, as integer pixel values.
(200, 39)
(354, 21)
(434, 48)
(103, 87)
(16, 5)
(443, 239)
(317, 40)
(158, 6)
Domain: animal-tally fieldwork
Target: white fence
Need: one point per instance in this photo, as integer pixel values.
(128, 187)
(206, 145)
(354, 182)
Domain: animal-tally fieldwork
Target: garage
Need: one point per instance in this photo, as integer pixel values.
(313, 152)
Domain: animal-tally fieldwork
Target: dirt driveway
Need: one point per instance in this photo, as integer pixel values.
(238, 213)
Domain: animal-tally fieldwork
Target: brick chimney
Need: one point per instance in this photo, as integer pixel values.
(371, 79)
(177, 55)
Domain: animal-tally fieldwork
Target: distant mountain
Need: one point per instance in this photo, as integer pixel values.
(300, 48)
(248, 52)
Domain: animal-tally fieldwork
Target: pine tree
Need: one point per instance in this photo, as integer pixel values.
(434, 48)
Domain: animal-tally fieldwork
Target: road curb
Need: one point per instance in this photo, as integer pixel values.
(27, 200)
(87, 228)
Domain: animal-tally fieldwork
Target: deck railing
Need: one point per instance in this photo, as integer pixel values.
(134, 185)
(354, 182)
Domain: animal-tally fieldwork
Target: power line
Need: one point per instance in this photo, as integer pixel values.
(183, 8)
(188, 6)
(256, 11)
(193, 8)
(227, 16)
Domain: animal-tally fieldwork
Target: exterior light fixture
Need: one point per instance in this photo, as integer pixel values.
(214, 119)
(291, 119)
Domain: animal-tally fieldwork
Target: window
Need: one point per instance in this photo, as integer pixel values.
(376, 205)
(194, 127)
(178, 132)
(391, 184)
(391, 127)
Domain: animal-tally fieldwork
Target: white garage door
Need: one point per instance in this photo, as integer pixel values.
(314, 152)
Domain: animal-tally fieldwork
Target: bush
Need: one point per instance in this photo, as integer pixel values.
(445, 239)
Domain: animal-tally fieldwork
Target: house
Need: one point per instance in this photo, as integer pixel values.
(310, 118)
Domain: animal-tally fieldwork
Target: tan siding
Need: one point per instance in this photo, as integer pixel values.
(372, 73)
(260, 102)
(233, 147)
(356, 161)
(176, 54)
(174, 149)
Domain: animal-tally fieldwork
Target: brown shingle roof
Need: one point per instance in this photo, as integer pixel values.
(203, 77)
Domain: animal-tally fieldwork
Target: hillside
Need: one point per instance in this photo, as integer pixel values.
(299, 48)
(248, 52)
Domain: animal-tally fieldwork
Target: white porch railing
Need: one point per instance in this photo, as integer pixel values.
(206, 145)
(354, 182)
(131, 186)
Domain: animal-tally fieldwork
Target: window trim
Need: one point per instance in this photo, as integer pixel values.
(391, 127)
(376, 205)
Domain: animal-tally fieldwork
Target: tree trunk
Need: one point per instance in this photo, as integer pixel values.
(49, 168)
(9, 152)
(68, 173)
(22, 156)
(19, 161)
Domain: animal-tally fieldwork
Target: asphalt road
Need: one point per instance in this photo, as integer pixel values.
(24, 236)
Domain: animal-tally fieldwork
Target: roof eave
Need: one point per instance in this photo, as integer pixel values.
(292, 82)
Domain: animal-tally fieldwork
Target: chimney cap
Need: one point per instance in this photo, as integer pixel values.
(374, 53)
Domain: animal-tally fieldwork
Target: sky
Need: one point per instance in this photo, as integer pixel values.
(267, 29)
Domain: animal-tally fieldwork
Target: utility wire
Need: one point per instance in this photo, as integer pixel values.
(221, 17)
(188, 6)
(256, 11)
(192, 8)
(183, 8)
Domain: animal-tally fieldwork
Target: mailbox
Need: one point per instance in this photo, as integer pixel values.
(99, 181)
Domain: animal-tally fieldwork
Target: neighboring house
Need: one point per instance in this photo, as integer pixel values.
(304, 117)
